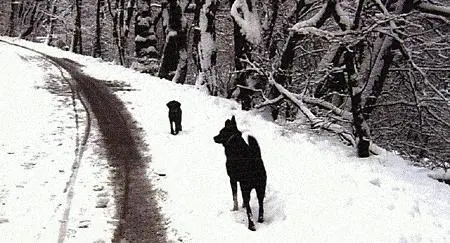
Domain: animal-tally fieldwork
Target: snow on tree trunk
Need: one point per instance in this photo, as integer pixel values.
(147, 54)
(247, 32)
(206, 47)
(246, 17)
(288, 53)
(51, 19)
(174, 60)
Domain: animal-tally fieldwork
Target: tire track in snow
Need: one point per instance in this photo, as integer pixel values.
(80, 141)
(80, 147)
(139, 216)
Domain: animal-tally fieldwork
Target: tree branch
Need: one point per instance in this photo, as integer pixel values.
(427, 7)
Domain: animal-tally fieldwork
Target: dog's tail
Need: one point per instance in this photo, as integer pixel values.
(254, 146)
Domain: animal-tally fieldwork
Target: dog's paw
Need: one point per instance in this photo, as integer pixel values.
(261, 219)
(252, 227)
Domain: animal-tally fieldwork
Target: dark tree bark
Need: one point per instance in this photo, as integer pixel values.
(97, 51)
(12, 19)
(76, 45)
(174, 58)
(116, 13)
(130, 11)
(269, 41)
(31, 23)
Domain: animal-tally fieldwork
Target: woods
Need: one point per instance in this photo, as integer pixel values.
(374, 72)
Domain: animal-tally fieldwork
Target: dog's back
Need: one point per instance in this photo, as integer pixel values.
(244, 162)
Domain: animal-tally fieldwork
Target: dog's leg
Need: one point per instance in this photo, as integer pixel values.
(171, 129)
(260, 193)
(177, 127)
(233, 184)
(246, 198)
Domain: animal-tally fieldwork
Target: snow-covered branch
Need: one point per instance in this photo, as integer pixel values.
(246, 17)
(427, 7)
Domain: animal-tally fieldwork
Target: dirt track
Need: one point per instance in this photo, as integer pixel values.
(140, 219)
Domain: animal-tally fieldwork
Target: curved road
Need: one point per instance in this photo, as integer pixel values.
(140, 219)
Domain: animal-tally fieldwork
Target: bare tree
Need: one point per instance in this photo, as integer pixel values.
(76, 44)
(174, 58)
(32, 17)
(97, 50)
(147, 54)
(12, 18)
(205, 45)
(353, 58)
(247, 34)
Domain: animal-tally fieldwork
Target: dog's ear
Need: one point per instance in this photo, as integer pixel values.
(233, 121)
(169, 104)
(227, 123)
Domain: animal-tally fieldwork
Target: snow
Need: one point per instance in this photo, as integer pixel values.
(248, 20)
(318, 190)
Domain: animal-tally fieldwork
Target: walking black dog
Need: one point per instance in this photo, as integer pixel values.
(244, 164)
(174, 116)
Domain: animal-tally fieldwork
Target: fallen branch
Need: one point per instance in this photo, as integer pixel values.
(315, 121)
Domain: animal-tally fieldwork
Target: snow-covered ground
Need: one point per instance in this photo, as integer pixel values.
(318, 190)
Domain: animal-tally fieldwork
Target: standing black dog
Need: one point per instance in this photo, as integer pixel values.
(244, 164)
(174, 116)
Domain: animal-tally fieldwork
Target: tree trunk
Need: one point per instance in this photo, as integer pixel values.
(31, 23)
(97, 52)
(269, 41)
(246, 33)
(76, 45)
(51, 24)
(204, 41)
(174, 59)
(12, 19)
(147, 55)
(117, 20)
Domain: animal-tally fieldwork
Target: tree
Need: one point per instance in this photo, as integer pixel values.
(76, 44)
(247, 34)
(97, 50)
(32, 18)
(174, 58)
(146, 51)
(12, 19)
(205, 45)
(354, 54)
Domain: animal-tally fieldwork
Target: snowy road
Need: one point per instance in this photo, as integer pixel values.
(140, 219)
(137, 213)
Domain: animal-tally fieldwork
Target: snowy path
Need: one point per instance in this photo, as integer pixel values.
(45, 180)
(138, 214)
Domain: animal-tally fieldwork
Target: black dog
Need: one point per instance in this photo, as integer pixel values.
(244, 164)
(174, 116)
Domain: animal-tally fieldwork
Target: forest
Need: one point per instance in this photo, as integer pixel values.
(372, 72)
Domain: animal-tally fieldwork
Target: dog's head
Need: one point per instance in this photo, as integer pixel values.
(173, 105)
(227, 132)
